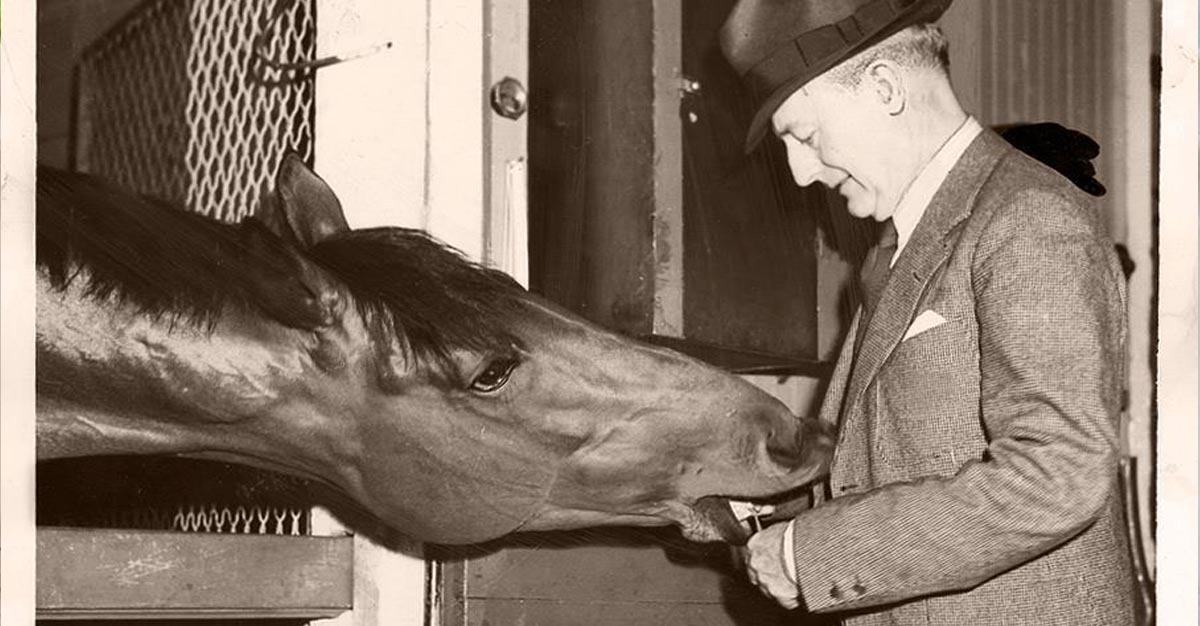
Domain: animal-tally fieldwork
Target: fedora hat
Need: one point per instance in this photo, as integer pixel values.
(777, 46)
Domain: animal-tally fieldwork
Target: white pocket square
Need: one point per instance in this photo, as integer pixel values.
(925, 321)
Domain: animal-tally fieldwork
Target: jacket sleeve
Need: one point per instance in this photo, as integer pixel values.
(1050, 312)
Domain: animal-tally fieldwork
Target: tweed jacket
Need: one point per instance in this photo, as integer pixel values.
(974, 480)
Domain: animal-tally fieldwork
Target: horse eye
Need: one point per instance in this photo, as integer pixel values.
(494, 375)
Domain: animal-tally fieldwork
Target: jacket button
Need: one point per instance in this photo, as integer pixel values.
(858, 588)
(835, 593)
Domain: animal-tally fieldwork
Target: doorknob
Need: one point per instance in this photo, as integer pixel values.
(509, 98)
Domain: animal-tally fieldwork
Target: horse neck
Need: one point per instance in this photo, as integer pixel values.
(111, 379)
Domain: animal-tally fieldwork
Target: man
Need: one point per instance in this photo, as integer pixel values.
(977, 393)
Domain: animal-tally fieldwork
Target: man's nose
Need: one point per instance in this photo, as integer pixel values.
(803, 162)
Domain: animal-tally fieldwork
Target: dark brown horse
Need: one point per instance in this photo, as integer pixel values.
(437, 394)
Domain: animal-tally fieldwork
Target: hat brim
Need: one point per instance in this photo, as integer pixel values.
(920, 12)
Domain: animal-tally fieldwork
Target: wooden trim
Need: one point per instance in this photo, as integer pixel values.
(739, 361)
(370, 119)
(457, 104)
(1130, 179)
(450, 579)
(506, 151)
(668, 244)
(99, 574)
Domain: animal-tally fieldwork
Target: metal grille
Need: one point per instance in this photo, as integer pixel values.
(133, 93)
(167, 493)
(204, 518)
(177, 101)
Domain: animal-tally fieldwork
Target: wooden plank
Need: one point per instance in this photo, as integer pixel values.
(96, 574)
(668, 213)
(550, 613)
(597, 576)
(607, 570)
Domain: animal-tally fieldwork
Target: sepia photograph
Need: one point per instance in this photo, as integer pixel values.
(599, 312)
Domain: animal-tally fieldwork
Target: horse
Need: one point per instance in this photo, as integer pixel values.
(435, 393)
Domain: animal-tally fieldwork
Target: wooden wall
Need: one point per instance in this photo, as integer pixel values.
(1086, 64)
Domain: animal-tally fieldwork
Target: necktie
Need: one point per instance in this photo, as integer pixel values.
(876, 267)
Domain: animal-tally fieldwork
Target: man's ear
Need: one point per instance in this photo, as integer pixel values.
(886, 82)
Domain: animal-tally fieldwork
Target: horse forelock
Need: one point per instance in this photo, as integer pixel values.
(425, 294)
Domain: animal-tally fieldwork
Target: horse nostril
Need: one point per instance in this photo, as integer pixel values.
(785, 451)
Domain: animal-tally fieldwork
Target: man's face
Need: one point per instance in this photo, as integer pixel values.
(840, 137)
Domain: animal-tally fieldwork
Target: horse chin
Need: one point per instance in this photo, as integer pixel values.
(712, 520)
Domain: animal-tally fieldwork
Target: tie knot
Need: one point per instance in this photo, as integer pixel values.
(888, 237)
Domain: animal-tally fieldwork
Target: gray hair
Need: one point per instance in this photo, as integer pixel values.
(915, 47)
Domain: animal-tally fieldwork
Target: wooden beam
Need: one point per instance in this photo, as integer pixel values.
(100, 574)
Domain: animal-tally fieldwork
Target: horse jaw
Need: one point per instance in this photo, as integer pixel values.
(662, 439)
(709, 520)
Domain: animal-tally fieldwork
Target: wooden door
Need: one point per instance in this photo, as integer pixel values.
(603, 577)
(646, 215)
(642, 214)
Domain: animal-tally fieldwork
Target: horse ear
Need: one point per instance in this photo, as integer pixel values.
(287, 286)
(270, 214)
(305, 204)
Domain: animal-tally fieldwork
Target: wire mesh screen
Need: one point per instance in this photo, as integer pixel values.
(179, 101)
(183, 100)
(167, 493)
(204, 518)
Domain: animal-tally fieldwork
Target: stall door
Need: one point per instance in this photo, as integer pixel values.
(605, 165)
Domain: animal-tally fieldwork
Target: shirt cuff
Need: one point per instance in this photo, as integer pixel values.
(789, 551)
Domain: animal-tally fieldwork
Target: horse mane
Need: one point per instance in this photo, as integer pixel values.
(157, 257)
(182, 266)
(426, 292)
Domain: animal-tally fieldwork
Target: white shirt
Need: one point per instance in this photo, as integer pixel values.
(920, 192)
(908, 214)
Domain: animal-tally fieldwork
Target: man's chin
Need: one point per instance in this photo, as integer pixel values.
(859, 208)
(859, 202)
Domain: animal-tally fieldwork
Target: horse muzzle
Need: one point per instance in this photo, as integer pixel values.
(807, 446)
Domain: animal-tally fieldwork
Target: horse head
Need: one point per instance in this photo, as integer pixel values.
(437, 394)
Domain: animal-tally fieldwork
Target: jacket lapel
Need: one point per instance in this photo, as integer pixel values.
(926, 251)
(835, 393)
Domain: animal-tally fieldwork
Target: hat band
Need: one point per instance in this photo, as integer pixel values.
(815, 46)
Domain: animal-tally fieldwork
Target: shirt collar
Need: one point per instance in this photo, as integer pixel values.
(916, 198)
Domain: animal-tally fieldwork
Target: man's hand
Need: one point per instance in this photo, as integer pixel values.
(763, 557)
